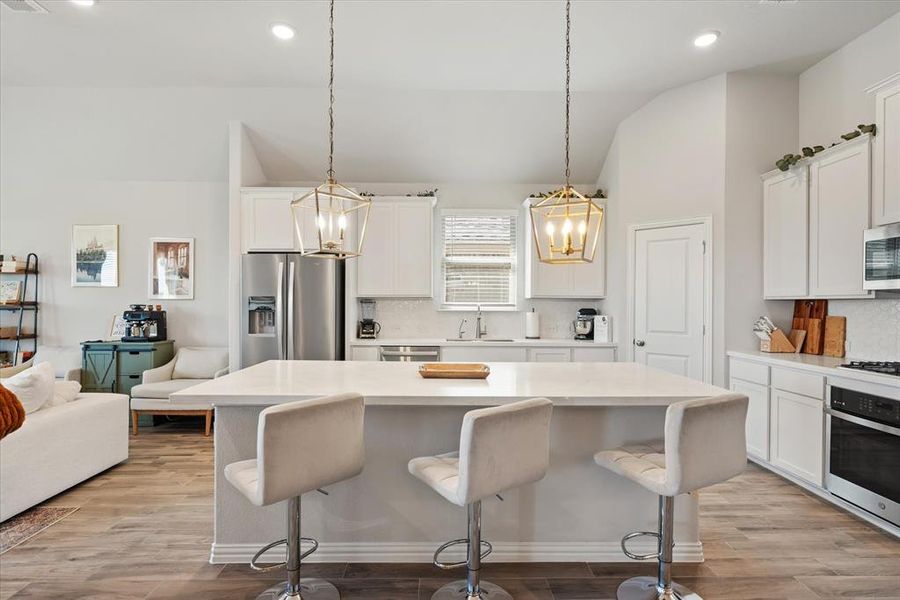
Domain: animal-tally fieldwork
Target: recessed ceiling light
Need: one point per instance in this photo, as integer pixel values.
(707, 38)
(283, 31)
(82, 2)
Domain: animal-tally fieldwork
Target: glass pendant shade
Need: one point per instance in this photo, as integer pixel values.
(566, 227)
(327, 220)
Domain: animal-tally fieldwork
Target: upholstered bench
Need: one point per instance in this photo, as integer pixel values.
(191, 365)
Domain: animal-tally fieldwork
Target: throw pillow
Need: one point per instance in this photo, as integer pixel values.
(33, 387)
(63, 392)
(12, 413)
(199, 363)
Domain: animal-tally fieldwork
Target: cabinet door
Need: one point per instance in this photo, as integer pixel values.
(490, 354)
(585, 281)
(785, 246)
(797, 435)
(549, 355)
(414, 249)
(267, 220)
(368, 353)
(757, 416)
(839, 214)
(886, 157)
(375, 268)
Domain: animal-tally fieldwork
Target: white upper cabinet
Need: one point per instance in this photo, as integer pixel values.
(585, 281)
(397, 253)
(785, 224)
(886, 157)
(266, 219)
(839, 194)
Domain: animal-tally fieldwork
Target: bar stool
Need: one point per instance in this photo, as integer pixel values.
(300, 446)
(704, 444)
(500, 448)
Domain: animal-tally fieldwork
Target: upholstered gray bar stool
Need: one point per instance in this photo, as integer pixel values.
(704, 444)
(500, 448)
(300, 447)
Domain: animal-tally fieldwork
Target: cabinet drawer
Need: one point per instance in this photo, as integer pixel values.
(549, 355)
(749, 371)
(593, 354)
(126, 382)
(808, 384)
(135, 362)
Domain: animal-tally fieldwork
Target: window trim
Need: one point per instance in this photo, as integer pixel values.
(439, 250)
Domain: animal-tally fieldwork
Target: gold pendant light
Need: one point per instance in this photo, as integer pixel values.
(566, 225)
(323, 218)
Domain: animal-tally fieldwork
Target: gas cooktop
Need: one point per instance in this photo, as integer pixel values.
(885, 368)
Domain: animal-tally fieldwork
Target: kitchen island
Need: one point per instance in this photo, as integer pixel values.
(578, 512)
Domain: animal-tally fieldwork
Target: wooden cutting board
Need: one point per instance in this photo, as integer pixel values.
(815, 336)
(835, 335)
(809, 315)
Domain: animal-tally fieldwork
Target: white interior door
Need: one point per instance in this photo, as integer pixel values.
(668, 303)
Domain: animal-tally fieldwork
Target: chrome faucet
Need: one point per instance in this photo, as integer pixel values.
(462, 328)
(480, 325)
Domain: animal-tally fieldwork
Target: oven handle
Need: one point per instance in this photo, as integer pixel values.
(863, 422)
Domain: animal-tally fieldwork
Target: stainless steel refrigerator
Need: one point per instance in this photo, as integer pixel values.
(292, 308)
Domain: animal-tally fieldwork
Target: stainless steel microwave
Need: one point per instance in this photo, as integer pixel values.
(882, 256)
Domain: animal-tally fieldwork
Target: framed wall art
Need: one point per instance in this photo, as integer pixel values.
(95, 255)
(171, 269)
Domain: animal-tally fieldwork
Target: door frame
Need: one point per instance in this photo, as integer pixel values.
(707, 223)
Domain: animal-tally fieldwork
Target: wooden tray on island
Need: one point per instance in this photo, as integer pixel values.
(454, 371)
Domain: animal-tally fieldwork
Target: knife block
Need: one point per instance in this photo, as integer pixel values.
(777, 342)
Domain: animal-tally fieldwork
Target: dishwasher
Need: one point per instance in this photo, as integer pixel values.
(411, 353)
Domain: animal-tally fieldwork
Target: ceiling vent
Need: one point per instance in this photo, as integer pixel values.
(24, 6)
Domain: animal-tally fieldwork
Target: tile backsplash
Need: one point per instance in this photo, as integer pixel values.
(420, 319)
(873, 327)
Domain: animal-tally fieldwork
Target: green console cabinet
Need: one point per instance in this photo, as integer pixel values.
(118, 366)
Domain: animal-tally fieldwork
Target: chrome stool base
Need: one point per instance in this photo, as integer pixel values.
(456, 590)
(644, 588)
(310, 589)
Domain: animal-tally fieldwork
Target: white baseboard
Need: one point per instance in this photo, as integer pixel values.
(421, 552)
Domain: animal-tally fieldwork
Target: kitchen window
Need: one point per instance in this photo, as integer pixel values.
(478, 265)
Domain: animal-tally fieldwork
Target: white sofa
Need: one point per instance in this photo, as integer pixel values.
(58, 447)
(66, 363)
(191, 366)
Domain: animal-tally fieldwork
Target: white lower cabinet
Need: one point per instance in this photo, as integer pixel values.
(798, 435)
(549, 355)
(487, 354)
(757, 416)
(593, 354)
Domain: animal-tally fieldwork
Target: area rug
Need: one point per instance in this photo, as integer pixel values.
(30, 523)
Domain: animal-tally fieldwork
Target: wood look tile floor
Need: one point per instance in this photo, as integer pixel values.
(144, 529)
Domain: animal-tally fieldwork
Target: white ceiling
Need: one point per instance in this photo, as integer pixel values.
(498, 62)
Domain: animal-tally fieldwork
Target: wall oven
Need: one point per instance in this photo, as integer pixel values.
(863, 447)
(882, 256)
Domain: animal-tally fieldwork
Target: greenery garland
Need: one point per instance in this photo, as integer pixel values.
(789, 160)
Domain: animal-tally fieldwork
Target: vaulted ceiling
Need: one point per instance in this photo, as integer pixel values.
(427, 90)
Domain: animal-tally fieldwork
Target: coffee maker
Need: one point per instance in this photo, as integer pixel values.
(368, 327)
(584, 324)
(143, 324)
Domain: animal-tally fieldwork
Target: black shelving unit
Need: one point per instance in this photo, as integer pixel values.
(24, 307)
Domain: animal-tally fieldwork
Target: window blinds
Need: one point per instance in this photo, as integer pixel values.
(479, 259)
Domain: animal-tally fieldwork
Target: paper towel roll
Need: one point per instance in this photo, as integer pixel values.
(532, 325)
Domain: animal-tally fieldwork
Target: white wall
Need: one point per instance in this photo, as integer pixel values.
(832, 92)
(760, 123)
(667, 162)
(833, 101)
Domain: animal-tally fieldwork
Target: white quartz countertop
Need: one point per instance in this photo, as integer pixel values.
(399, 384)
(554, 342)
(826, 365)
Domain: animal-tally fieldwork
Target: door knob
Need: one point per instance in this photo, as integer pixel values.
(639, 343)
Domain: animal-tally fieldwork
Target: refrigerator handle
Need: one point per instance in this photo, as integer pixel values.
(279, 311)
(290, 313)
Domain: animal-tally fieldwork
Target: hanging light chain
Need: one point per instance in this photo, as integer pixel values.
(568, 99)
(331, 97)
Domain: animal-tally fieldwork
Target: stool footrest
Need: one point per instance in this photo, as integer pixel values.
(633, 535)
(446, 566)
(257, 567)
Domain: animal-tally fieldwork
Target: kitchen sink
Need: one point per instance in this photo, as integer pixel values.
(480, 340)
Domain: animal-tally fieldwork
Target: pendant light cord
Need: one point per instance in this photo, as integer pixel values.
(331, 98)
(568, 99)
